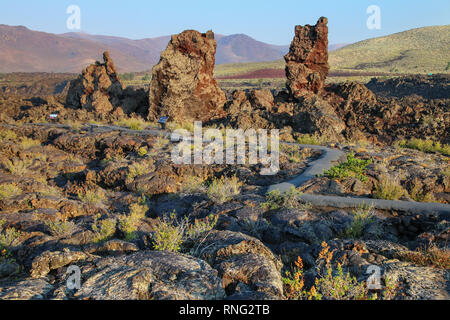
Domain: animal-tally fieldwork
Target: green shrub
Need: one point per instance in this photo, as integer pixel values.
(8, 191)
(169, 234)
(362, 217)
(275, 200)
(104, 229)
(92, 196)
(8, 236)
(60, 228)
(353, 167)
(128, 224)
(224, 189)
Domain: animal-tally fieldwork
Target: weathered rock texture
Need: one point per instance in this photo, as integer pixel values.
(307, 61)
(98, 88)
(183, 86)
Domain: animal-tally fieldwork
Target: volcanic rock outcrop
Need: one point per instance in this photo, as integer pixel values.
(307, 61)
(98, 88)
(183, 86)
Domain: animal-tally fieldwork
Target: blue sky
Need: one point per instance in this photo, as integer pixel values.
(269, 21)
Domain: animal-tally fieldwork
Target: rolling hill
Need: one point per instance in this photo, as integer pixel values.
(422, 50)
(419, 50)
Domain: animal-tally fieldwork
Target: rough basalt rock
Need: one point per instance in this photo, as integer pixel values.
(98, 88)
(183, 85)
(307, 61)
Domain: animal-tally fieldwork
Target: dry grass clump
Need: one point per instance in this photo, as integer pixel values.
(430, 256)
(427, 145)
(224, 189)
(193, 185)
(171, 233)
(27, 143)
(9, 190)
(138, 169)
(7, 135)
(17, 167)
(389, 189)
(92, 196)
(60, 228)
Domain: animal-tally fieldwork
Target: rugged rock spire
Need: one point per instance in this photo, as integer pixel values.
(183, 85)
(307, 61)
(98, 88)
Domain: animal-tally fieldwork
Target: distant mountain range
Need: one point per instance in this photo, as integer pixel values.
(25, 50)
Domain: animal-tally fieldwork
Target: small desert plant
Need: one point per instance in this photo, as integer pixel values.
(17, 167)
(418, 194)
(161, 142)
(60, 228)
(353, 167)
(224, 189)
(389, 189)
(128, 224)
(8, 191)
(193, 185)
(169, 234)
(431, 256)
(27, 143)
(142, 152)
(92, 196)
(294, 153)
(330, 284)
(8, 236)
(138, 169)
(201, 227)
(8, 135)
(362, 217)
(103, 229)
(276, 200)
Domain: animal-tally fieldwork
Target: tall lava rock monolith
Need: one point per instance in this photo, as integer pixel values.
(183, 85)
(307, 61)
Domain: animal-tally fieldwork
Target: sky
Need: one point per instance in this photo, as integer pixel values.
(268, 21)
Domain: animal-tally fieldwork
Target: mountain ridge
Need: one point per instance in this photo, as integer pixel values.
(26, 50)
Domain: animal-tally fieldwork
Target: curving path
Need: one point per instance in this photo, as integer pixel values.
(317, 167)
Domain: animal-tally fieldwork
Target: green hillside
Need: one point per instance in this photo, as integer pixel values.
(421, 50)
